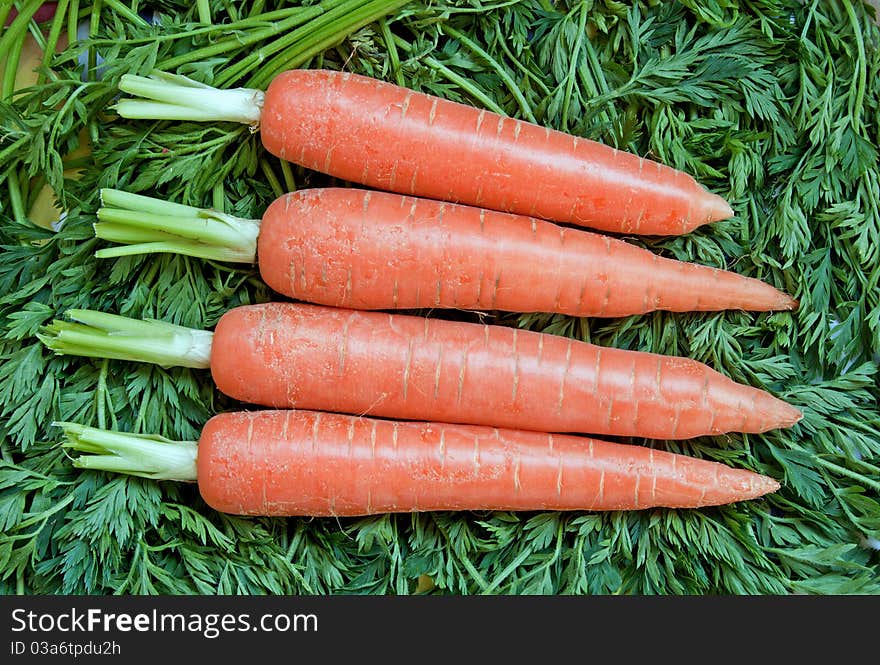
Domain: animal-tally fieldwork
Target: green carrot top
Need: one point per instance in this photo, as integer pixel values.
(100, 335)
(149, 225)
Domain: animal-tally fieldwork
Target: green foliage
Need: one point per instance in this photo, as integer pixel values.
(773, 104)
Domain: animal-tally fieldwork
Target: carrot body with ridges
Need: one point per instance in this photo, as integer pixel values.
(312, 463)
(395, 366)
(388, 137)
(308, 463)
(374, 250)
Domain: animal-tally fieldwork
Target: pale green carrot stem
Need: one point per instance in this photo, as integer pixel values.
(99, 335)
(174, 97)
(147, 456)
(147, 226)
(116, 198)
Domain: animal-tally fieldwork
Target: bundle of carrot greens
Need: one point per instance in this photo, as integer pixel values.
(722, 347)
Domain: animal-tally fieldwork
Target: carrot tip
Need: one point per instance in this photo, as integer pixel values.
(749, 485)
(773, 413)
(785, 303)
(717, 208)
(790, 416)
(757, 485)
(768, 485)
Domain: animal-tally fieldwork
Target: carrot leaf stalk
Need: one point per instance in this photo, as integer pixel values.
(101, 335)
(144, 455)
(145, 225)
(165, 96)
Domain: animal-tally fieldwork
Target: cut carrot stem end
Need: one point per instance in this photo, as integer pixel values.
(147, 456)
(147, 225)
(99, 335)
(166, 96)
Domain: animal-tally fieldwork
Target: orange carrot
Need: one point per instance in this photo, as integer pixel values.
(375, 250)
(290, 355)
(388, 137)
(288, 463)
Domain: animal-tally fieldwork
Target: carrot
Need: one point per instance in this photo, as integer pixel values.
(291, 355)
(388, 137)
(308, 463)
(375, 250)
